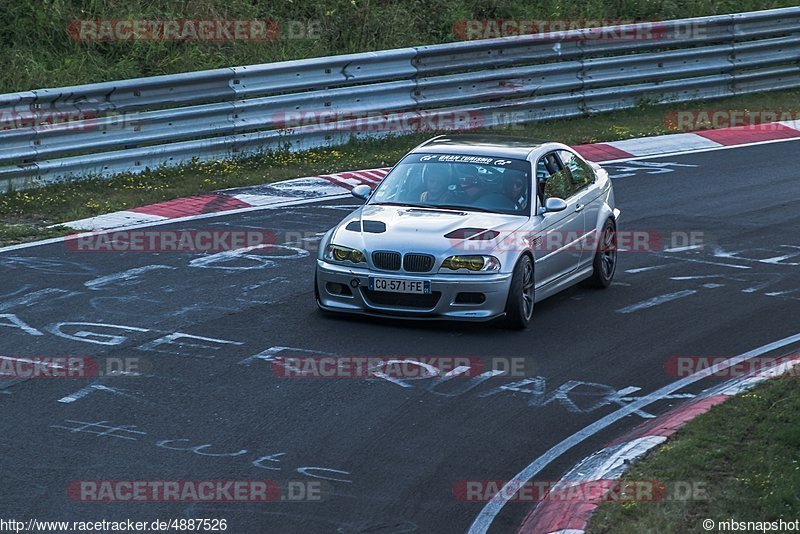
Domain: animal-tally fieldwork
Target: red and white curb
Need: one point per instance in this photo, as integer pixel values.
(571, 516)
(687, 142)
(331, 185)
(319, 187)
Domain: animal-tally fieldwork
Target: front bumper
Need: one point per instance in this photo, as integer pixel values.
(441, 304)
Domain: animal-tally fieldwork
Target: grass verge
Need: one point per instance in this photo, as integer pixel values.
(37, 50)
(745, 452)
(26, 215)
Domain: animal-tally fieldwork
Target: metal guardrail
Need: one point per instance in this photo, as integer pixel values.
(132, 125)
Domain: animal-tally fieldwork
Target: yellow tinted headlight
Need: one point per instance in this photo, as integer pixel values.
(342, 254)
(475, 263)
(472, 263)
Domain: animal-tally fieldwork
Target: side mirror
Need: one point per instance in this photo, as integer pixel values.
(554, 204)
(363, 192)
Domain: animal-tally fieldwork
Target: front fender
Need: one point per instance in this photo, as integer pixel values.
(608, 210)
(324, 242)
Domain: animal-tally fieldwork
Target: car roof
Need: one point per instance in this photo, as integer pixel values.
(481, 145)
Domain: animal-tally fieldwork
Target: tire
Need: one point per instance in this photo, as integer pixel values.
(605, 258)
(519, 304)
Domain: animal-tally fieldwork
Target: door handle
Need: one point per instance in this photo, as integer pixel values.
(579, 207)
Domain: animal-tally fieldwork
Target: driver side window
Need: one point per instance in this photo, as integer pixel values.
(405, 189)
(553, 179)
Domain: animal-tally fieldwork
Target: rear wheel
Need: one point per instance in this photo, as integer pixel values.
(519, 305)
(605, 258)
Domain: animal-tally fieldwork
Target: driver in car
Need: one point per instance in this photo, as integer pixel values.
(436, 184)
(515, 190)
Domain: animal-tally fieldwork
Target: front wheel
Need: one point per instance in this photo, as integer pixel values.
(605, 258)
(519, 305)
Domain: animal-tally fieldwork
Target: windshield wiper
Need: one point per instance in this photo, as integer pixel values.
(432, 206)
(403, 204)
(466, 208)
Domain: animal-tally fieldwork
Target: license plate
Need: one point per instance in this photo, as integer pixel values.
(392, 285)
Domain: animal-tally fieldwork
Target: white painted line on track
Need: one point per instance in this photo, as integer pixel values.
(98, 283)
(36, 297)
(484, 519)
(706, 262)
(657, 301)
(650, 268)
(683, 249)
(89, 389)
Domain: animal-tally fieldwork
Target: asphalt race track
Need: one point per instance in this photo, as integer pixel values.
(387, 454)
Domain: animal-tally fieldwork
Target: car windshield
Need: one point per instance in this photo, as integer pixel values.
(454, 181)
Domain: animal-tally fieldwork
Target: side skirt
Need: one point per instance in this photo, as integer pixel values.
(569, 280)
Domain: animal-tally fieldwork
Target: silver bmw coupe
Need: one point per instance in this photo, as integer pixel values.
(469, 227)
